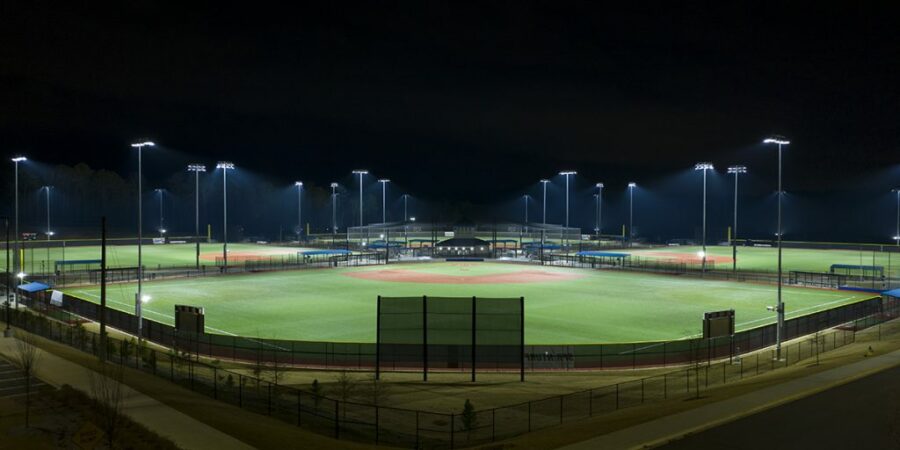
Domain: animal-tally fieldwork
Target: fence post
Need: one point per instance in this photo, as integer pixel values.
(617, 396)
(560, 409)
(376, 425)
(642, 390)
(269, 398)
(453, 428)
(665, 386)
(337, 420)
(590, 403)
(529, 417)
(240, 390)
(299, 407)
(417, 428)
(171, 367)
(215, 383)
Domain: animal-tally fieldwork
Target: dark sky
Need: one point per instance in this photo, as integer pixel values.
(451, 99)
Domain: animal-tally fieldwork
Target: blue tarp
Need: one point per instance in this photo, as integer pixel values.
(597, 254)
(325, 252)
(892, 293)
(33, 287)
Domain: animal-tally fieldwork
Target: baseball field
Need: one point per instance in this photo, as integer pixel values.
(563, 305)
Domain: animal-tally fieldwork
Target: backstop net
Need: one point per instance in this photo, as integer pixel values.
(464, 334)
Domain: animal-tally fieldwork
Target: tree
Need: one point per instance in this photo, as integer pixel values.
(345, 387)
(26, 357)
(377, 391)
(106, 388)
(469, 418)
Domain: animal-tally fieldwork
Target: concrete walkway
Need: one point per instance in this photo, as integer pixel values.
(187, 432)
(662, 430)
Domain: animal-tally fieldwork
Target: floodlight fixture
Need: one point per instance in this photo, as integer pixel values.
(776, 139)
(703, 166)
(360, 172)
(143, 144)
(737, 169)
(21, 275)
(568, 172)
(599, 185)
(632, 185)
(334, 185)
(196, 168)
(298, 183)
(224, 165)
(19, 159)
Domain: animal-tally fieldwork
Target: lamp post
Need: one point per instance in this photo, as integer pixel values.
(384, 182)
(736, 170)
(162, 228)
(17, 256)
(567, 174)
(704, 167)
(334, 208)
(631, 187)
(140, 270)
(8, 281)
(544, 201)
(405, 200)
(599, 187)
(897, 236)
(197, 168)
(779, 330)
(299, 185)
(360, 173)
(225, 166)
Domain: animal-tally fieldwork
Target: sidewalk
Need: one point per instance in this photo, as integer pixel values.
(187, 432)
(665, 429)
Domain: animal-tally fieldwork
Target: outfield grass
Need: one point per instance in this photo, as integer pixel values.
(766, 258)
(152, 255)
(600, 306)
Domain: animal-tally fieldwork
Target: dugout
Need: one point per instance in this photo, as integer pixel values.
(456, 247)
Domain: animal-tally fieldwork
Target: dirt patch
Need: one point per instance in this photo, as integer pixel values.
(686, 257)
(409, 276)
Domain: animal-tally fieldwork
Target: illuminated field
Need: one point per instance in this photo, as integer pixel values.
(563, 305)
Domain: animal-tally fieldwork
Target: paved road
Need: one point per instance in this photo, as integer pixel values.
(863, 414)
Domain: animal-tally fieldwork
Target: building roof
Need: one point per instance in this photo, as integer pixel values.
(463, 242)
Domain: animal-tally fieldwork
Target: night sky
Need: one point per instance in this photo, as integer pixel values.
(467, 103)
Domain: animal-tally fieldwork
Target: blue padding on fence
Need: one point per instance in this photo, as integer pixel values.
(596, 254)
(325, 252)
(892, 293)
(78, 261)
(855, 266)
(33, 287)
(464, 259)
(859, 289)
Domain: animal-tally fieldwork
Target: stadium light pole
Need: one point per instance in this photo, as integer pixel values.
(544, 220)
(405, 200)
(384, 182)
(779, 330)
(49, 231)
(897, 236)
(567, 174)
(631, 187)
(704, 167)
(334, 208)
(360, 173)
(599, 187)
(16, 257)
(299, 185)
(225, 166)
(525, 201)
(736, 170)
(140, 270)
(197, 168)
(162, 228)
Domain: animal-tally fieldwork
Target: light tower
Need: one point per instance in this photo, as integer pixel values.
(299, 185)
(544, 200)
(599, 187)
(334, 208)
(736, 170)
(525, 200)
(384, 182)
(704, 167)
(225, 166)
(197, 168)
(631, 187)
(139, 297)
(567, 174)
(405, 200)
(779, 309)
(162, 228)
(360, 172)
(897, 235)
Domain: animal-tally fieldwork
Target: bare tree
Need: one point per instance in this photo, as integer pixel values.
(106, 388)
(377, 392)
(26, 357)
(345, 387)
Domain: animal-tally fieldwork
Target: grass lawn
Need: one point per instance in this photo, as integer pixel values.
(766, 258)
(153, 255)
(591, 307)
